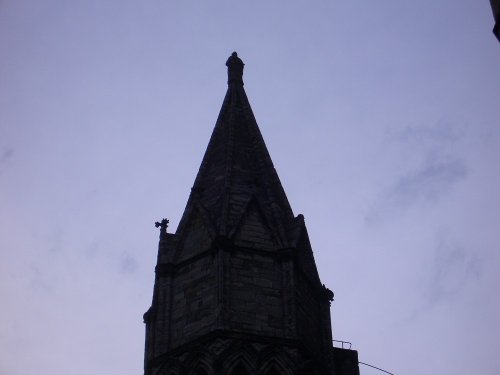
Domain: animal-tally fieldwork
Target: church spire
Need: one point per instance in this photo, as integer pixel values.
(237, 174)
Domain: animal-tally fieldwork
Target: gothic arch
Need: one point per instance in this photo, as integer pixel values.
(239, 356)
(199, 362)
(274, 369)
(236, 352)
(273, 360)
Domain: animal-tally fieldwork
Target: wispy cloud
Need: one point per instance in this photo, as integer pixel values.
(128, 264)
(40, 280)
(452, 269)
(440, 133)
(429, 157)
(91, 251)
(432, 180)
(426, 185)
(6, 154)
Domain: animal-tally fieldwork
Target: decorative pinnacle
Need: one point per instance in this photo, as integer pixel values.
(163, 226)
(234, 69)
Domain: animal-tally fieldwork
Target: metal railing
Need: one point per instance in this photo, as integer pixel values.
(344, 342)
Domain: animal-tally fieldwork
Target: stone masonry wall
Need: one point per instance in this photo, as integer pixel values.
(193, 300)
(255, 293)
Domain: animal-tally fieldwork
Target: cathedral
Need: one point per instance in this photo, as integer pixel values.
(236, 288)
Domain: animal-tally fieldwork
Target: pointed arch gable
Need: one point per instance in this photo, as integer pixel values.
(254, 213)
(274, 360)
(240, 356)
(199, 362)
(197, 234)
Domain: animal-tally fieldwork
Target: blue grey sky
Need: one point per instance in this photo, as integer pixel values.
(382, 119)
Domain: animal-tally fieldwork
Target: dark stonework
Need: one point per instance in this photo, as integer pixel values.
(237, 290)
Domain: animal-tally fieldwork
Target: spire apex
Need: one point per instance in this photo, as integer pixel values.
(234, 69)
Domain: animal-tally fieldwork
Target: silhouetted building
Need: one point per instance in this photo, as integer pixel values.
(495, 6)
(237, 290)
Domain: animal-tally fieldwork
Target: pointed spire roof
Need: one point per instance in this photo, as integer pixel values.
(237, 173)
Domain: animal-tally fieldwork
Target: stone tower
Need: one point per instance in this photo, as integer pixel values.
(236, 288)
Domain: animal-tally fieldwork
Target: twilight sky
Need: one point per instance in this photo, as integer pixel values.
(382, 119)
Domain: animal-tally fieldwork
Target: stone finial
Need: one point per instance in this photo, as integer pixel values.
(234, 69)
(163, 226)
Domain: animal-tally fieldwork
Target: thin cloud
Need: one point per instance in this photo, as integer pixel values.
(426, 185)
(440, 133)
(40, 280)
(452, 269)
(433, 165)
(91, 251)
(6, 155)
(128, 264)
